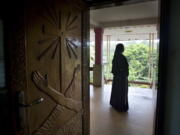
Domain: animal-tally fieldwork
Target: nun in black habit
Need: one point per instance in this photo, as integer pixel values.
(119, 93)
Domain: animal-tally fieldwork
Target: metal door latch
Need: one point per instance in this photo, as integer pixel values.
(35, 102)
(20, 109)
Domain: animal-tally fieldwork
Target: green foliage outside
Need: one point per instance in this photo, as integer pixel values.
(142, 62)
(137, 56)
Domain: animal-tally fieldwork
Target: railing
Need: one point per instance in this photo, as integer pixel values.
(106, 81)
(134, 82)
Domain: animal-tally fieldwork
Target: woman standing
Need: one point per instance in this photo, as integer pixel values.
(119, 94)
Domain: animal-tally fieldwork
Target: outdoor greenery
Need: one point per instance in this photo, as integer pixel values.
(142, 62)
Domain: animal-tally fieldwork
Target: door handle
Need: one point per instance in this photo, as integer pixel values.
(20, 109)
(35, 102)
(21, 100)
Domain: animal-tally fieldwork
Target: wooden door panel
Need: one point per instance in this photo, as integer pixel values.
(54, 67)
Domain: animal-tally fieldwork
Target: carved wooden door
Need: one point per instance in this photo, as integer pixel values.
(53, 67)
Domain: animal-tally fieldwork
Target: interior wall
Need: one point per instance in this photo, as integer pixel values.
(172, 96)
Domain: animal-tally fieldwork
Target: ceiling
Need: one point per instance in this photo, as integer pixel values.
(132, 14)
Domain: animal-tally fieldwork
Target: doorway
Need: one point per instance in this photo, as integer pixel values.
(137, 28)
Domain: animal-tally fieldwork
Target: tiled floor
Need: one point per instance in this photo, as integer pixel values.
(137, 121)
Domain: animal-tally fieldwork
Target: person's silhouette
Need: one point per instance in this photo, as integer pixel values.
(119, 93)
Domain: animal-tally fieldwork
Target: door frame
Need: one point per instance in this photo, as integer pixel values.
(163, 24)
(164, 17)
(85, 70)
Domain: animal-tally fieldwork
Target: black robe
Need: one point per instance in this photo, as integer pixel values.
(119, 93)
